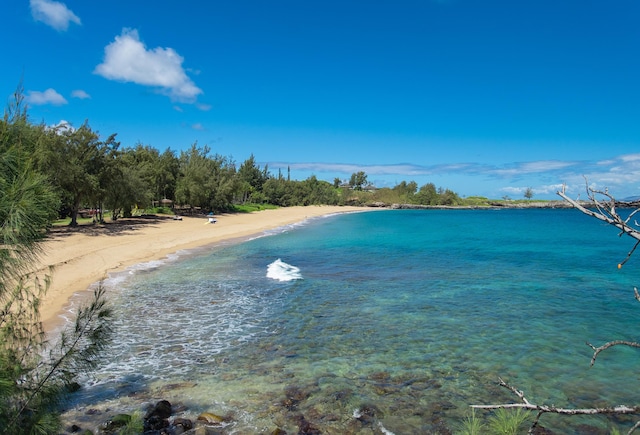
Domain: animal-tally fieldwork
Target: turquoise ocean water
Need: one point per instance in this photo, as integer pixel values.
(409, 314)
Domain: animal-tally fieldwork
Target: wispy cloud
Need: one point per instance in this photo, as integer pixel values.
(127, 59)
(79, 93)
(518, 169)
(54, 14)
(621, 174)
(348, 168)
(50, 96)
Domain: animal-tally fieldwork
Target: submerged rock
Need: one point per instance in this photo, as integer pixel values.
(157, 417)
(161, 409)
(210, 418)
(181, 425)
(306, 428)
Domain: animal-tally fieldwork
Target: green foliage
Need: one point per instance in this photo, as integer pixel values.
(358, 180)
(251, 179)
(249, 208)
(478, 201)
(34, 374)
(528, 193)
(77, 163)
(406, 192)
(159, 210)
(472, 425)
(134, 426)
(206, 182)
(507, 421)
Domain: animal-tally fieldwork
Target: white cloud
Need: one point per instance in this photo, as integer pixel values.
(197, 126)
(127, 59)
(630, 158)
(50, 96)
(518, 169)
(348, 168)
(79, 93)
(52, 13)
(62, 127)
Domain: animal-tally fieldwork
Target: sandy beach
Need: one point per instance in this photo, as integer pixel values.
(84, 255)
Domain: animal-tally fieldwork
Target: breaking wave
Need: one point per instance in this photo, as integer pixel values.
(281, 271)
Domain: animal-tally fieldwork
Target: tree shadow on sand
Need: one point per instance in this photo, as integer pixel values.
(122, 226)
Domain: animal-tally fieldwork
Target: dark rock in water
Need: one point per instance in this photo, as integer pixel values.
(181, 425)
(73, 387)
(74, 428)
(296, 394)
(161, 409)
(157, 417)
(306, 428)
(288, 404)
(155, 423)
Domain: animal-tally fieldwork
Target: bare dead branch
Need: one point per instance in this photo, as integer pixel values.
(541, 409)
(606, 346)
(619, 409)
(609, 215)
(629, 254)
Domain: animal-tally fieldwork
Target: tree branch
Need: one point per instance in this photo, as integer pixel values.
(605, 346)
(620, 409)
(609, 216)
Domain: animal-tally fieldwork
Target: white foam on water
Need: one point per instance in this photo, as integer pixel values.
(384, 430)
(281, 271)
(357, 414)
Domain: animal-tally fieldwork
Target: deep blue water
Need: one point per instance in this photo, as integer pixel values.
(412, 313)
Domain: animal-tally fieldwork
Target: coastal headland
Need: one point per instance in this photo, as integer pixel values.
(76, 257)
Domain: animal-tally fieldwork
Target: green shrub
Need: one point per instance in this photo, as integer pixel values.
(507, 421)
(471, 425)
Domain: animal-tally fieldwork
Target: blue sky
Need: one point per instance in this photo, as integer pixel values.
(481, 97)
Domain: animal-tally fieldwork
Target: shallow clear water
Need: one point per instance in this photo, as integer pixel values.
(412, 313)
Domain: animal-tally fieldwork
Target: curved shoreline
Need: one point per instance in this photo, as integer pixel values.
(79, 257)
